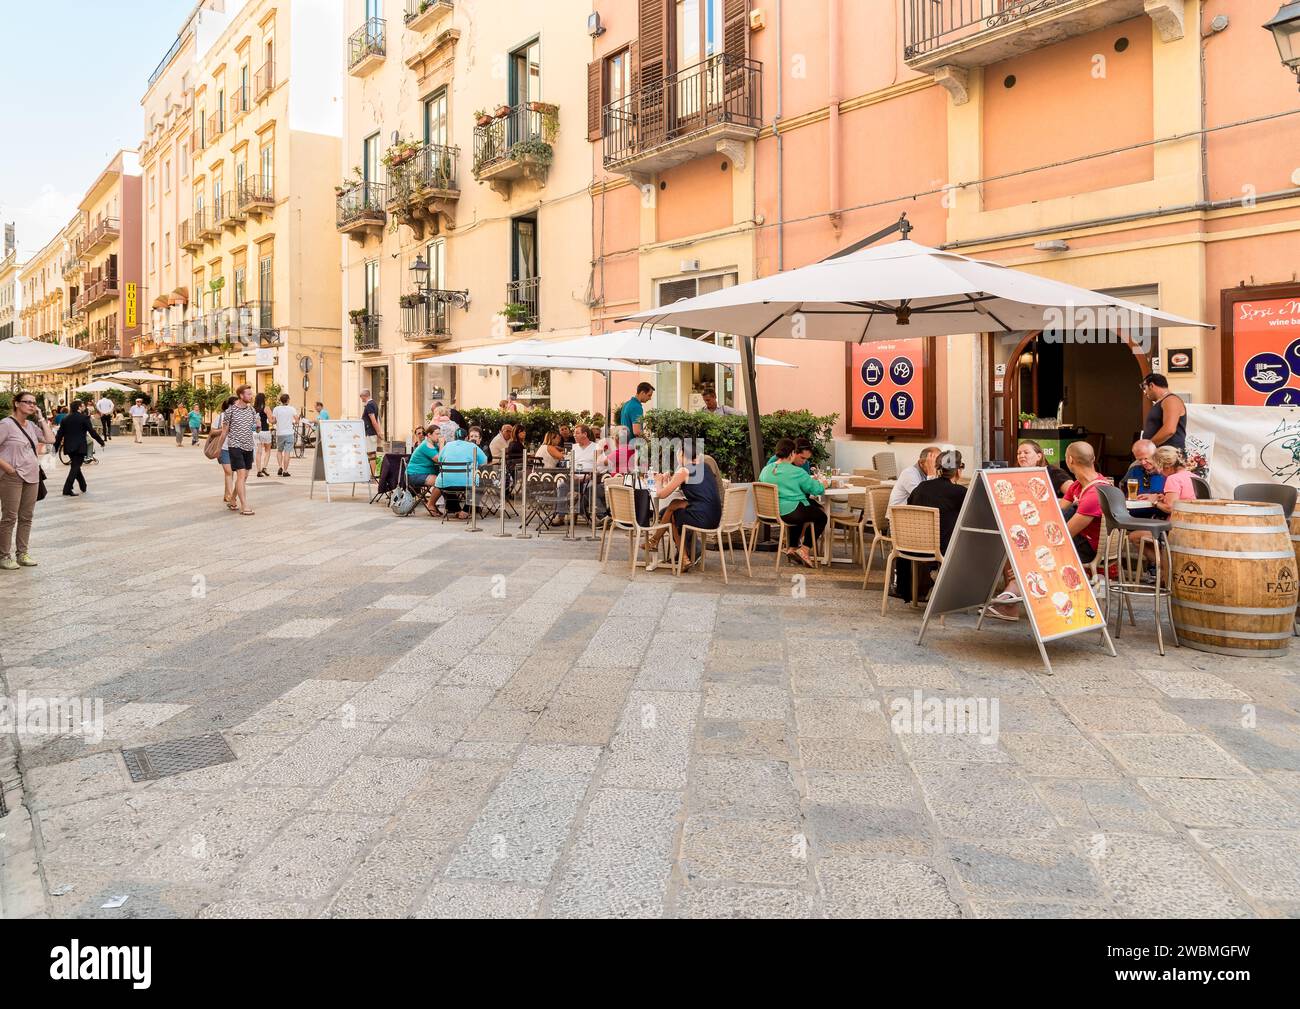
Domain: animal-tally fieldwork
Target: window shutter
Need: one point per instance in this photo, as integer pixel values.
(652, 67)
(735, 28)
(595, 98)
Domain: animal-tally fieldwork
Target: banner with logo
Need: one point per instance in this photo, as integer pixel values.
(1247, 444)
(890, 388)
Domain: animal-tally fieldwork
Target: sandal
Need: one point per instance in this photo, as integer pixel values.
(232, 506)
(248, 512)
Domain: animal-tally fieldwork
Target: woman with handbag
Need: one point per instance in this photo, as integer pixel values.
(215, 448)
(22, 481)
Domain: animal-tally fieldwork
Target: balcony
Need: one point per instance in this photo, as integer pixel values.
(208, 225)
(99, 292)
(948, 38)
(713, 107)
(423, 192)
(365, 332)
(366, 47)
(71, 267)
(521, 309)
(189, 232)
(257, 196)
(101, 346)
(101, 235)
(264, 81)
(421, 15)
(426, 318)
(360, 211)
(216, 127)
(514, 147)
(239, 104)
(229, 216)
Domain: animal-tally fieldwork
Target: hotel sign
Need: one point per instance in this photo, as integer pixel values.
(130, 305)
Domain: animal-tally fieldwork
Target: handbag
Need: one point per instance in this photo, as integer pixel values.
(40, 490)
(642, 504)
(216, 441)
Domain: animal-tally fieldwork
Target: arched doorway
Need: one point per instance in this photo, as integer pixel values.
(1093, 384)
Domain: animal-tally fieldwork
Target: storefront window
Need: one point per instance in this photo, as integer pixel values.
(531, 386)
(683, 386)
(433, 382)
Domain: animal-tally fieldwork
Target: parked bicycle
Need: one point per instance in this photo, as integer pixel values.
(304, 438)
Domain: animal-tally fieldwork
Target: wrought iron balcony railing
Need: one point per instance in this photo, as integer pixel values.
(360, 206)
(500, 139)
(521, 303)
(367, 44)
(365, 332)
(256, 195)
(421, 13)
(722, 91)
(263, 80)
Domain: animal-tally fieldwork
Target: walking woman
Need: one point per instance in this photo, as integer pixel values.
(224, 458)
(264, 438)
(73, 437)
(180, 423)
(20, 473)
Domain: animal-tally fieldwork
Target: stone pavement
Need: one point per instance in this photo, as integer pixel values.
(435, 723)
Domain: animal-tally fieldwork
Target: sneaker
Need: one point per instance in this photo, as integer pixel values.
(652, 563)
(25, 560)
(8, 564)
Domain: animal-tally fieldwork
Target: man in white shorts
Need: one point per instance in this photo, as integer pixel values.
(286, 423)
(373, 425)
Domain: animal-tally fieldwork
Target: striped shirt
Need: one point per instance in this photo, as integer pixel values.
(242, 423)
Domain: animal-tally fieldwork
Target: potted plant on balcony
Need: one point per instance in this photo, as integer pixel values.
(482, 117)
(515, 313)
(411, 300)
(537, 152)
(360, 317)
(502, 110)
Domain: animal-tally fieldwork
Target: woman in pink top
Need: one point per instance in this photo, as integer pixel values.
(22, 434)
(1178, 487)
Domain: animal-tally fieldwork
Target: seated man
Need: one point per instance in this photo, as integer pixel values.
(945, 494)
(452, 481)
(1144, 470)
(421, 470)
(911, 478)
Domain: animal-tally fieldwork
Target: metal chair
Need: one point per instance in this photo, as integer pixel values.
(731, 522)
(622, 516)
(915, 534)
(460, 471)
(1202, 488)
(1271, 493)
(878, 506)
(1116, 516)
(767, 512)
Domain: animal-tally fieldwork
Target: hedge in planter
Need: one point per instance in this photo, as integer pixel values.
(726, 439)
(537, 423)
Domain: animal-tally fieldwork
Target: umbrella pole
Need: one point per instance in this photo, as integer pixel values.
(609, 426)
(749, 378)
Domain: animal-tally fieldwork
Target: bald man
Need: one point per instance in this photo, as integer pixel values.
(1144, 470)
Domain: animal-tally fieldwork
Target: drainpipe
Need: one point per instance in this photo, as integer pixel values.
(833, 64)
(780, 147)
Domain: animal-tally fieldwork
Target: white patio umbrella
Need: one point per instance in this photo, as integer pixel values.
(22, 355)
(103, 385)
(139, 376)
(646, 347)
(527, 354)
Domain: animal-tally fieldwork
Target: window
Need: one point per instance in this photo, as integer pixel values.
(435, 118)
(372, 287)
(680, 386)
(524, 249)
(153, 251)
(241, 289)
(167, 176)
(268, 165)
(153, 189)
(221, 110)
(167, 249)
(526, 74)
(370, 158)
(699, 31)
(243, 88)
(374, 9)
(203, 128)
(265, 292)
(617, 89)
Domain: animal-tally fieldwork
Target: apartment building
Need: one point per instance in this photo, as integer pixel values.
(165, 166)
(44, 296)
(263, 290)
(9, 297)
(1146, 149)
(462, 199)
(107, 247)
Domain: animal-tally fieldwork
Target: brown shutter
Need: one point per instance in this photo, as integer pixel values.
(595, 97)
(735, 28)
(652, 66)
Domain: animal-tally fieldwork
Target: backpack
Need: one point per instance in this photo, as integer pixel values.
(402, 501)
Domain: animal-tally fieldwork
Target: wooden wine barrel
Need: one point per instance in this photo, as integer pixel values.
(1295, 545)
(1234, 577)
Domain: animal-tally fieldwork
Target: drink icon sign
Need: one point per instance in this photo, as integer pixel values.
(873, 371)
(901, 370)
(872, 406)
(901, 405)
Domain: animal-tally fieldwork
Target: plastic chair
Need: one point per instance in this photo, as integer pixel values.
(915, 532)
(1269, 493)
(1116, 516)
(878, 506)
(1202, 487)
(622, 516)
(767, 511)
(731, 522)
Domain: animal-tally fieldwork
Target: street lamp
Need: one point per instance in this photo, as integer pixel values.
(420, 270)
(1285, 27)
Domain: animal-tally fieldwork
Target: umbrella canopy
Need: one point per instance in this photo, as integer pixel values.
(139, 376)
(20, 354)
(904, 289)
(527, 354)
(103, 385)
(646, 347)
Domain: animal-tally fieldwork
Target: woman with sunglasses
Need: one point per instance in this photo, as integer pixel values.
(21, 434)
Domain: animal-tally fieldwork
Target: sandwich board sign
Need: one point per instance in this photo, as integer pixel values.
(1012, 515)
(341, 456)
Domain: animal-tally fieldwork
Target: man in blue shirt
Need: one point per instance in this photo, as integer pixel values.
(321, 412)
(451, 485)
(634, 409)
(1150, 480)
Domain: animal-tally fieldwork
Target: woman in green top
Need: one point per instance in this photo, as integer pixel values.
(422, 465)
(794, 488)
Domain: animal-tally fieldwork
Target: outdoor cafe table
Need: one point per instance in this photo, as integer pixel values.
(841, 495)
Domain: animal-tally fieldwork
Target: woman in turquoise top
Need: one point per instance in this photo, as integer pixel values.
(794, 488)
(422, 465)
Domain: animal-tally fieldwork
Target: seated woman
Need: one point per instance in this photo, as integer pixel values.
(1030, 454)
(417, 436)
(795, 487)
(700, 505)
(550, 453)
(422, 467)
(1178, 486)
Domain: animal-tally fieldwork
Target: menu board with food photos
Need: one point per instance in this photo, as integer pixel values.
(1012, 516)
(341, 453)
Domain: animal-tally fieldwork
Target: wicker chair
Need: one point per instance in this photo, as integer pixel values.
(855, 521)
(915, 532)
(767, 512)
(622, 516)
(878, 508)
(864, 481)
(873, 474)
(887, 464)
(732, 522)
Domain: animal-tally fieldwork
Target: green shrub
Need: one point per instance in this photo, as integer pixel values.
(726, 439)
(6, 403)
(537, 423)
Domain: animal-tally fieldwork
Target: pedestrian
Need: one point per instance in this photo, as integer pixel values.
(138, 413)
(73, 437)
(321, 412)
(196, 422)
(264, 438)
(180, 423)
(241, 424)
(224, 458)
(59, 414)
(1166, 421)
(105, 410)
(374, 427)
(20, 478)
(286, 421)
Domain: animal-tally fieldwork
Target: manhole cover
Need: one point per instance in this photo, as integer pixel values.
(175, 756)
